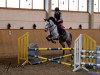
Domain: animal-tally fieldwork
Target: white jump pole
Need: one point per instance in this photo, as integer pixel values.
(77, 54)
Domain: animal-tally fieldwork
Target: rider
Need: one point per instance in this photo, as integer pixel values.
(59, 21)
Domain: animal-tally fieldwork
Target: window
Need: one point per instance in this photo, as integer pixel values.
(82, 5)
(13, 3)
(99, 5)
(38, 4)
(26, 4)
(70, 5)
(54, 4)
(73, 5)
(96, 4)
(2, 3)
(63, 4)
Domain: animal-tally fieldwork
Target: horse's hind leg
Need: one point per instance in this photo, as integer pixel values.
(69, 45)
(69, 42)
(63, 45)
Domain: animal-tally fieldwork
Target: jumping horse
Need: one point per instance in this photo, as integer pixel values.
(51, 27)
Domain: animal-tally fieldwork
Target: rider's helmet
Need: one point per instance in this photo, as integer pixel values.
(56, 9)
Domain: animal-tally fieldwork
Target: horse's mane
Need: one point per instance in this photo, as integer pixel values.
(53, 19)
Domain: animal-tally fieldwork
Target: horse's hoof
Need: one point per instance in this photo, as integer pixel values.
(53, 42)
(72, 57)
(48, 39)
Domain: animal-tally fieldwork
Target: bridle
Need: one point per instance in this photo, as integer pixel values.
(52, 26)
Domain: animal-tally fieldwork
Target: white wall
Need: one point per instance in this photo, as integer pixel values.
(74, 19)
(26, 18)
(21, 18)
(96, 21)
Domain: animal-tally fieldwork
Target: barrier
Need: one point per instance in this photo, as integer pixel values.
(83, 54)
(42, 49)
(25, 55)
(44, 59)
(23, 48)
(98, 54)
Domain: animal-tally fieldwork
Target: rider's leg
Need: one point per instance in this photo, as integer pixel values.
(59, 31)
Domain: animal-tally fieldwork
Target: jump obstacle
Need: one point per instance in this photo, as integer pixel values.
(84, 52)
(23, 48)
(25, 55)
(56, 59)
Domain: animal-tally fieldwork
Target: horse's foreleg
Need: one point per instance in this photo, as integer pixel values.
(48, 37)
(53, 41)
(54, 38)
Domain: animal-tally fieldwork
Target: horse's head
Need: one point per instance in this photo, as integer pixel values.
(47, 24)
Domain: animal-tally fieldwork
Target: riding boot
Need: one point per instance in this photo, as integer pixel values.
(59, 31)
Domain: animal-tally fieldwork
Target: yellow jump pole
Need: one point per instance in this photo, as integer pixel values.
(19, 50)
(23, 48)
(90, 44)
(43, 49)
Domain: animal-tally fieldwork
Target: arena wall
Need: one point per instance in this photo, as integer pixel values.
(9, 39)
(26, 18)
(21, 18)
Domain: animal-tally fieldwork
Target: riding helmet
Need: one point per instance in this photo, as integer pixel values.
(56, 9)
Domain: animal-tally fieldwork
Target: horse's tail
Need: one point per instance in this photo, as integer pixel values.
(71, 37)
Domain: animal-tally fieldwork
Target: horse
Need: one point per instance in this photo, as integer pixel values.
(51, 27)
